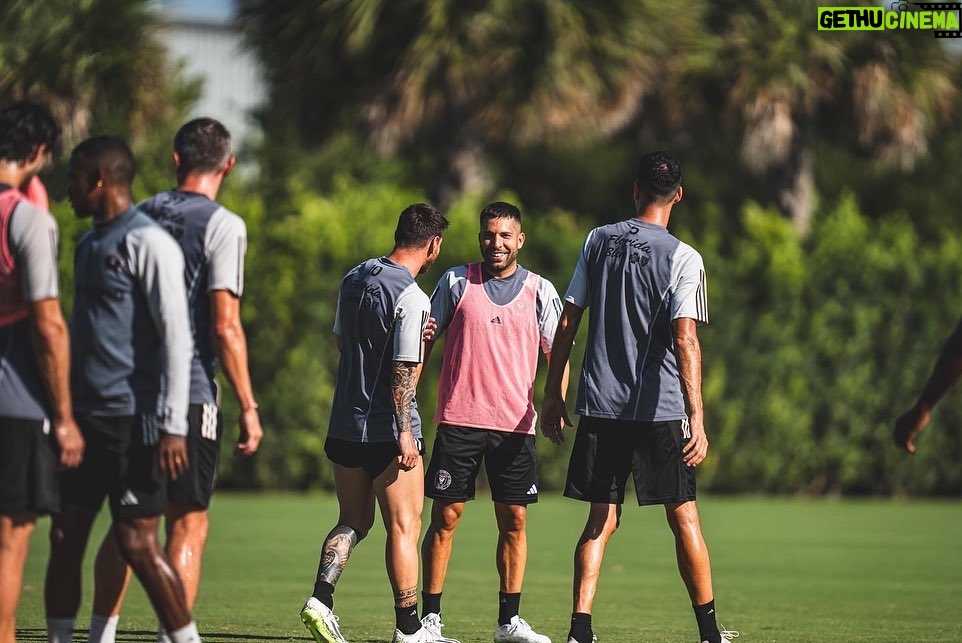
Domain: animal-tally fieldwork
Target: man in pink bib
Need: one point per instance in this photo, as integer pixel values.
(497, 315)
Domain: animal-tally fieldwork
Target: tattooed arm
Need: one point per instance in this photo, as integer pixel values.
(404, 380)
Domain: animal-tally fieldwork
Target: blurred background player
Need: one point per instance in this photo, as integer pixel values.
(497, 315)
(374, 434)
(130, 383)
(36, 418)
(214, 242)
(640, 388)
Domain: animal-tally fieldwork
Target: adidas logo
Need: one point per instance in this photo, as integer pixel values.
(496, 320)
(129, 499)
(533, 490)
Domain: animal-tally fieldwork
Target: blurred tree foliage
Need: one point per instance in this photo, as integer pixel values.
(817, 341)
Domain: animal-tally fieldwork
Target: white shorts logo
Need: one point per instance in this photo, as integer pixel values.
(442, 480)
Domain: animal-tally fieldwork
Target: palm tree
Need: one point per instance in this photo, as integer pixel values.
(94, 63)
(461, 76)
(787, 85)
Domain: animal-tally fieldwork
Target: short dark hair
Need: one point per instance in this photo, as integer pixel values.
(418, 224)
(203, 145)
(110, 152)
(24, 127)
(659, 176)
(500, 210)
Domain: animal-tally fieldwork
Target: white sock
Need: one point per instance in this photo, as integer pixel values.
(186, 634)
(60, 630)
(162, 636)
(103, 629)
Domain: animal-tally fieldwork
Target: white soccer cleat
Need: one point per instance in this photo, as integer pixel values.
(432, 624)
(421, 636)
(321, 622)
(518, 631)
(726, 635)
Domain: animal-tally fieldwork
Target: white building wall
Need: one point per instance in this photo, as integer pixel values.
(211, 49)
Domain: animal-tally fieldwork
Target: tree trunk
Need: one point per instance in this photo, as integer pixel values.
(796, 190)
(462, 167)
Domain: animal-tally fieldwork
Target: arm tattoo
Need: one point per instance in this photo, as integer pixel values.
(403, 384)
(406, 597)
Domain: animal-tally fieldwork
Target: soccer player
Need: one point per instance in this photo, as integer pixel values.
(497, 315)
(37, 428)
(130, 384)
(945, 373)
(214, 242)
(374, 434)
(640, 388)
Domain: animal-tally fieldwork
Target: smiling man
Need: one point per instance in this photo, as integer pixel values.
(497, 315)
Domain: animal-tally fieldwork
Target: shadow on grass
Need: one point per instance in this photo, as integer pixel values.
(147, 636)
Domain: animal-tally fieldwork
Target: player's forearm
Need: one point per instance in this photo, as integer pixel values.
(404, 381)
(946, 372)
(565, 374)
(556, 382)
(232, 353)
(52, 345)
(688, 351)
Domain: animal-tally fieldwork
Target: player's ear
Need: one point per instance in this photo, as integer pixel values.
(678, 194)
(520, 240)
(229, 165)
(176, 158)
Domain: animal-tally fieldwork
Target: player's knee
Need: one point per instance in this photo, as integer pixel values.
(69, 533)
(513, 521)
(353, 534)
(446, 519)
(192, 525)
(137, 543)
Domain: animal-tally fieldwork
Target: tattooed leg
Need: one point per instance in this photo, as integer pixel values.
(334, 554)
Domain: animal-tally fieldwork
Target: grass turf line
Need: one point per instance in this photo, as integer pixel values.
(784, 570)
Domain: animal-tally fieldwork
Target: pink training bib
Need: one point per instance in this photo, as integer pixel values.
(13, 308)
(490, 359)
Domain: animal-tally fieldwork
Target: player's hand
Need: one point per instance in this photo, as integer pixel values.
(554, 417)
(251, 433)
(172, 455)
(908, 427)
(70, 442)
(430, 330)
(408, 459)
(697, 447)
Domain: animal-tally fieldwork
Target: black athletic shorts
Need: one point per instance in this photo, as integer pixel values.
(28, 467)
(373, 457)
(606, 451)
(204, 430)
(119, 463)
(509, 461)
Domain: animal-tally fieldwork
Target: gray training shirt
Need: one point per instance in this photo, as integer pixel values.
(636, 278)
(33, 244)
(130, 332)
(214, 241)
(381, 313)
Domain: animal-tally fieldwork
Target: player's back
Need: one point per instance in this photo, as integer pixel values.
(213, 240)
(634, 276)
(375, 298)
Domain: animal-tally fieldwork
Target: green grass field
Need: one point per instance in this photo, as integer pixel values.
(784, 570)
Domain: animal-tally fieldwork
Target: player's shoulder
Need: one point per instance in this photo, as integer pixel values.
(454, 274)
(226, 218)
(29, 216)
(686, 253)
(145, 232)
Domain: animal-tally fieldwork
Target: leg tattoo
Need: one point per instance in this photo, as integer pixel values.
(335, 552)
(406, 597)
